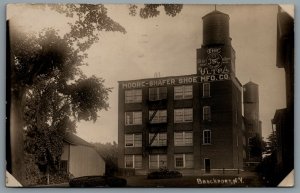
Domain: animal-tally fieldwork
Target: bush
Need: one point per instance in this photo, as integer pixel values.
(57, 178)
(97, 181)
(116, 182)
(163, 174)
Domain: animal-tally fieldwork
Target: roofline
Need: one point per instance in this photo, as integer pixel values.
(87, 143)
(250, 82)
(216, 12)
(122, 81)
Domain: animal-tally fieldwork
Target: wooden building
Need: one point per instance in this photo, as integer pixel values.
(79, 158)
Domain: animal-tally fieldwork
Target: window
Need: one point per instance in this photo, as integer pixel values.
(133, 161)
(206, 90)
(184, 160)
(129, 161)
(160, 116)
(179, 162)
(183, 92)
(250, 141)
(159, 140)
(133, 96)
(157, 161)
(183, 138)
(206, 137)
(157, 93)
(133, 118)
(189, 160)
(206, 113)
(183, 115)
(133, 140)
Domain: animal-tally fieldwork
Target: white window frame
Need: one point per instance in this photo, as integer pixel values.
(183, 112)
(158, 93)
(181, 92)
(134, 115)
(179, 156)
(204, 142)
(204, 113)
(134, 139)
(184, 160)
(184, 138)
(204, 94)
(133, 96)
(159, 116)
(133, 161)
(158, 157)
(157, 138)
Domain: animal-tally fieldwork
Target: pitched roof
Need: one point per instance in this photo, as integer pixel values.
(279, 115)
(75, 140)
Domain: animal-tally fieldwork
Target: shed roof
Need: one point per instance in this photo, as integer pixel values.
(75, 140)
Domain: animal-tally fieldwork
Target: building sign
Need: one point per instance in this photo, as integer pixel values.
(169, 81)
(213, 61)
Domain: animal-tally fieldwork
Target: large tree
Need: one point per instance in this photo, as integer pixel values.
(47, 91)
(57, 95)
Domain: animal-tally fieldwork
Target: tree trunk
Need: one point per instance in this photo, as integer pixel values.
(48, 176)
(15, 136)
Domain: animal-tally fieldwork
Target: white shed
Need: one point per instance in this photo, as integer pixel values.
(79, 158)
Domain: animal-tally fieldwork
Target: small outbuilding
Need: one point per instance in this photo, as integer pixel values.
(79, 158)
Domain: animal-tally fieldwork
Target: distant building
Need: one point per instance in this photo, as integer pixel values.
(190, 123)
(79, 158)
(253, 133)
(283, 121)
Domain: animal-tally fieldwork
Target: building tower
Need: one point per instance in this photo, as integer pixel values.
(216, 64)
(252, 124)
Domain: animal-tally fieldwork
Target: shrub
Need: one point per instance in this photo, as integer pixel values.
(164, 173)
(97, 181)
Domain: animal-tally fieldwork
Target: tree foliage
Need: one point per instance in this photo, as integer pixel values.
(90, 19)
(109, 152)
(271, 144)
(152, 10)
(256, 146)
(57, 96)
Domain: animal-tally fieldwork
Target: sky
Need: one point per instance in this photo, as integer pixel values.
(168, 45)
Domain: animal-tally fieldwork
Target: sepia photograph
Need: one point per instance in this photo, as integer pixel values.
(149, 95)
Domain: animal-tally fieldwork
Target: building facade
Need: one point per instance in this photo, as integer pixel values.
(283, 121)
(191, 123)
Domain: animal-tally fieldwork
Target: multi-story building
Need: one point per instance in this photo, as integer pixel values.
(190, 123)
(283, 121)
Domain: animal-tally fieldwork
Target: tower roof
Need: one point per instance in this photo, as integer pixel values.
(215, 12)
(251, 83)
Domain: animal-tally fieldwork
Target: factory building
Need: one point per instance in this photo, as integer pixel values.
(191, 123)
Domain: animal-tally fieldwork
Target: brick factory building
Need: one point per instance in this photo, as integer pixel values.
(192, 123)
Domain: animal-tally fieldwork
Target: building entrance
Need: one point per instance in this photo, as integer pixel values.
(207, 165)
